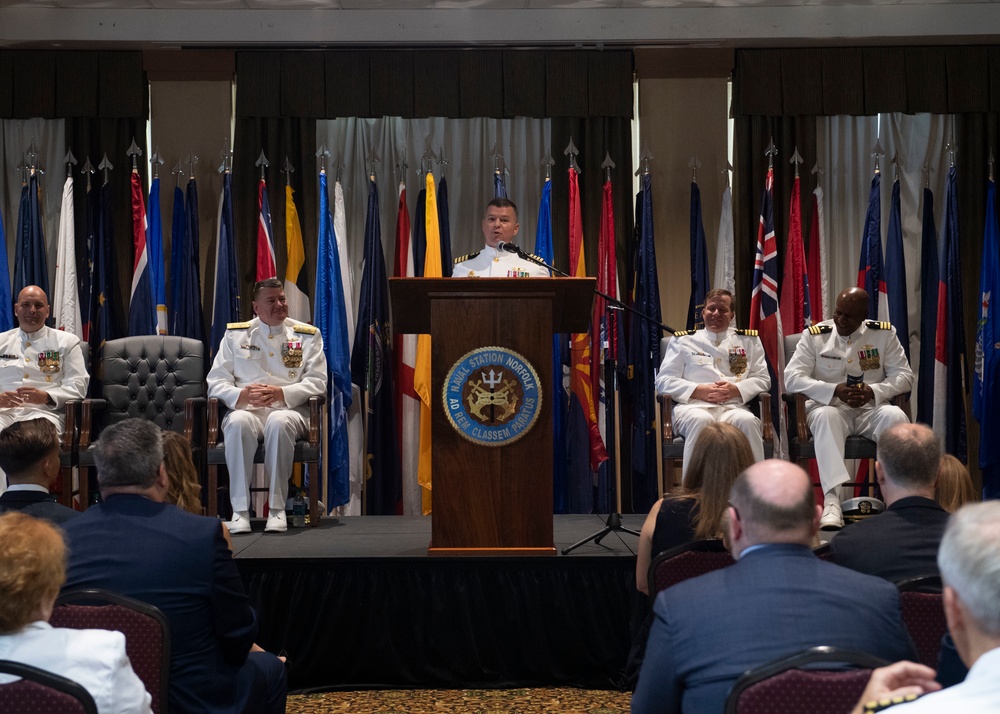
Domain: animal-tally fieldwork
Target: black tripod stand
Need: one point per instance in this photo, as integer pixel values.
(612, 525)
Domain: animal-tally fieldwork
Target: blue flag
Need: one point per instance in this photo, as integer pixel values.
(644, 357)
(103, 302)
(226, 305)
(545, 250)
(6, 302)
(699, 262)
(499, 188)
(370, 370)
(930, 277)
(870, 262)
(986, 389)
(444, 227)
(186, 316)
(949, 412)
(154, 244)
(331, 319)
(30, 267)
(895, 273)
(420, 237)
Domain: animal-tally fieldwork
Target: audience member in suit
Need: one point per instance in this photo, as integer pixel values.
(32, 569)
(135, 544)
(29, 455)
(969, 559)
(954, 485)
(903, 541)
(778, 599)
(695, 512)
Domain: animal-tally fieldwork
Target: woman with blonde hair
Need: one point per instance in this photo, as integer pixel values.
(695, 511)
(954, 485)
(32, 570)
(184, 490)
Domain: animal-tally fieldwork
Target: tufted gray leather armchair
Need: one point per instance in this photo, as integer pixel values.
(156, 377)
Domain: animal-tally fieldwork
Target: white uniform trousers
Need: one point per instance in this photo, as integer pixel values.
(690, 419)
(830, 427)
(242, 430)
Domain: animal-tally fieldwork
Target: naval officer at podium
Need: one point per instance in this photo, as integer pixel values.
(497, 259)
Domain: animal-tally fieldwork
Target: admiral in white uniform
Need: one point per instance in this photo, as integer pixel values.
(828, 356)
(712, 373)
(499, 226)
(40, 368)
(265, 372)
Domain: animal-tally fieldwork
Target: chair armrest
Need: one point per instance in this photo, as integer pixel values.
(213, 423)
(87, 410)
(903, 402)
(766, 424)
(70, 411)
(315, 418)
(191, 405)
(797, 404)
(666, 417)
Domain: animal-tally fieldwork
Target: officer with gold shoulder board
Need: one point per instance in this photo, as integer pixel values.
(265, 371)
(712, 373)
(849, 368)
(500, 226)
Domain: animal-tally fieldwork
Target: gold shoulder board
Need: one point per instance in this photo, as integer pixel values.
(681, 333)
(305, 329)
(819, 329)
(237, 325)
(878, 325)
(463, 258)
(748, 333)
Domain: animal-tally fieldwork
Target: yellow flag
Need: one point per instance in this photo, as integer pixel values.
(422, 372)
(295, 276)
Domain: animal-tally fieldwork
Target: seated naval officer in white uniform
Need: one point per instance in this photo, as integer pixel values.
(849, 374)
(40, 368)
(265, 372)
(712, 373)
(500, 227)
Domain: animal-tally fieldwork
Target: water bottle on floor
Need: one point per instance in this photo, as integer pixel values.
(298, 510)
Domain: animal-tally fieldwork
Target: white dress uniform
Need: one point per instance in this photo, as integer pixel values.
(822, 360)
(698, 357)
(49, 360)
(492, 263)
(289, 356)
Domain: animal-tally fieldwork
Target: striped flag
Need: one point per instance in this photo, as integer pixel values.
(266, 265)
(764, 313)
(154, 246)
(405, 356)
(986, 389)
(950, 370)
(819, 282)
(870, 276)
(226, 300)
(725, 266)
(141, 309)
(295, 275)
(422, 370)
(930, 279)
(65, 297)
(795, 307)
(895, 273)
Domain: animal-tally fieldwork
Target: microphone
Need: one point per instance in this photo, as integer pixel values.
(508, 247)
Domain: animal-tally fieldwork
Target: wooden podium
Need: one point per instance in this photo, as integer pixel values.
(490, 500)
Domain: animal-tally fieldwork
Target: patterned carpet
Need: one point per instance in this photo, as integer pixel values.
(467, 701)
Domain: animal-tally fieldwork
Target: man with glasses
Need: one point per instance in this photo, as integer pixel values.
(712, 373)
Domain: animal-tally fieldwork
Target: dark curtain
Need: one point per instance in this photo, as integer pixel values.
(278, 138)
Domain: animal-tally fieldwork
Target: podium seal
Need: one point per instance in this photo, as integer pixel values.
(492, 396)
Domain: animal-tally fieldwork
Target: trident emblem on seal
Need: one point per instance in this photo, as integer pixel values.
(493, 380)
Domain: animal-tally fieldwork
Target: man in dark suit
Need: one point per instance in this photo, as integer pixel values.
(136, 545)
(29, 455)
(902, 542)
(777, 600)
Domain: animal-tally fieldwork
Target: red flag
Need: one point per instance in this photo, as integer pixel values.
(794, 303)
(266, 267)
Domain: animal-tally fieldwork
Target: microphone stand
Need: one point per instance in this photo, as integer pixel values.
(614, 522)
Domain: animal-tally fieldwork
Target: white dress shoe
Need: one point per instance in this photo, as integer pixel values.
(833, 516)
(240, 522)
(276, 522)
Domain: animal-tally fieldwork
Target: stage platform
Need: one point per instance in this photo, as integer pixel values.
(357, 602)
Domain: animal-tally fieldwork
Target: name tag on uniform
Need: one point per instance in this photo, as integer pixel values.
(830, 356)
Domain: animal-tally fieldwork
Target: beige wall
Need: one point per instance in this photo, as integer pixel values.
(681, 118)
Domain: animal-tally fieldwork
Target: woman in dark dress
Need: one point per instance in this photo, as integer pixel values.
(695, 512)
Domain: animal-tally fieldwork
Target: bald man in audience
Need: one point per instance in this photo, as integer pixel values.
(969, 559)
(778, 599)
(902, 542)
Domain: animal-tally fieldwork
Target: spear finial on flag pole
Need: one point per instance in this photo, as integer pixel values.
(726, 170)
(896, 163)
(23, 168)
(323, 154)
(877, 153)
(694, 163)
(87, 171)
(645, 156)
(135, 152)
(263, 163)
(497, 157)
(227, 157)
(70, 161)
(817, 170)
(571, 151)
(288, 170)
(548, 162)
(770, 152)
(401, 166)
(177, 170)
(105, 166)
(427, 160)
(950, 148)
(33, 157)
(374, 159)
(607, 165)
(442, 162)
(796, 160)
(191, 160)
(340, 170)
(157, 161)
